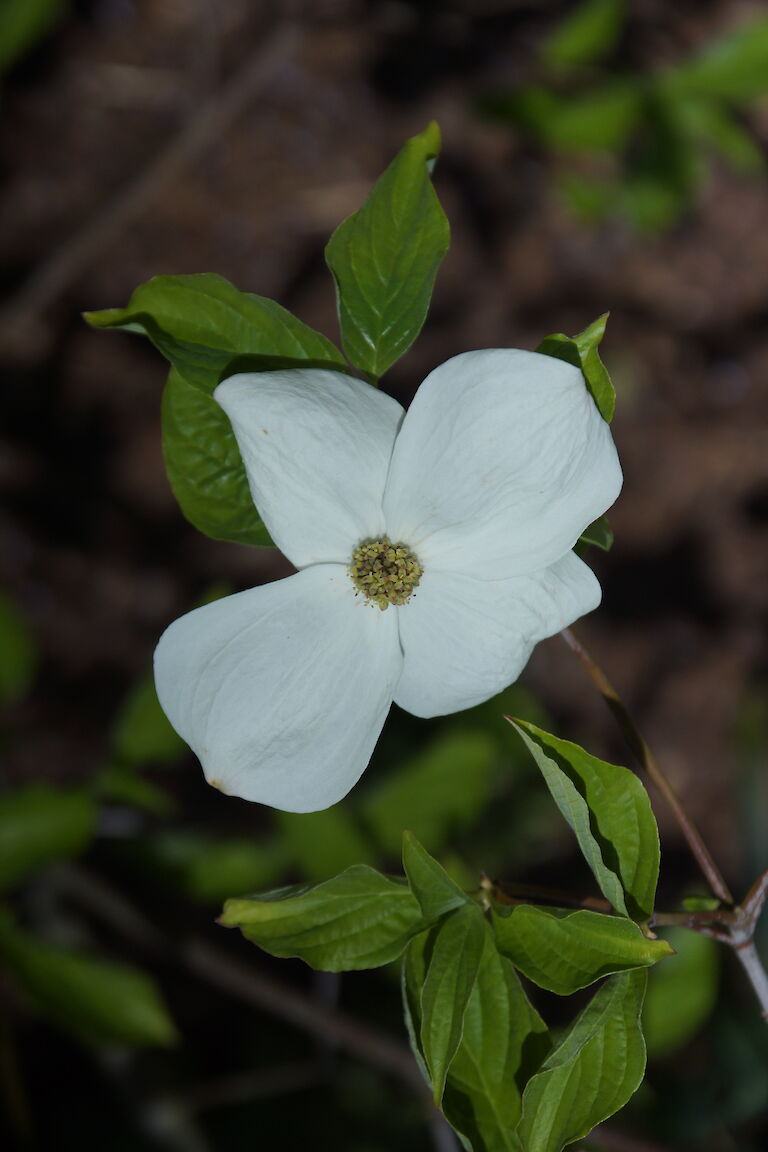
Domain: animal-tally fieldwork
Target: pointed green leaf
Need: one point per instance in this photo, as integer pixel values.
(503, 1043)
(359, 919)
(100, 1002)
(582, 352)
(592, 1073)
(202, 324)
(567, 951)
(599, 534)
(207, 329)
(585, 35)
(40, 824)
(385, 257)
(450, 977)
(610, 812)
(435, 891)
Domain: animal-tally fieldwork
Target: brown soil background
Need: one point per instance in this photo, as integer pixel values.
(91, 543)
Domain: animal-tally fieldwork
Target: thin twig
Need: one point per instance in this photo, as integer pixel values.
(21, 321)
(510, 892)
(649, 763)
(245, 982)
(752, 904)
(753, 966)
(738, 922)
(217, 969)
(697, 921)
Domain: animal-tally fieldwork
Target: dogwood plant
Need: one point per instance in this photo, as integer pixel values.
(434, 548)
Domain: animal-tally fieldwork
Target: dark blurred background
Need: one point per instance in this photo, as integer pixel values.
(599, 156)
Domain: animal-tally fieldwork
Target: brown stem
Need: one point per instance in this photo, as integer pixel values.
(752, 904)
(254, 987)
(648, 761)
(509, 892)
(695, 920)
(737, 923)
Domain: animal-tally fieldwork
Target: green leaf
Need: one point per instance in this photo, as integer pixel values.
(385, 257)
(700, 903)
(733, 68)
(23, 23)
(323, 843)
(40, 824)
(98, 1001)
(586, 35)
(455, 952)
(592, 1073)
(142, 734)
(207, 329)
(211, 870)
(567, 951)
(682, 993)
(609, 811)
(204, 466)
(18, 654)
(599, 534)
(360, 919)
(435, 891)
(436, 792)
(502, 1044)
(202, 325)
(582, 352)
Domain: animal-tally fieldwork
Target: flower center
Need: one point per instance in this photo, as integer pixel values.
(384, 572)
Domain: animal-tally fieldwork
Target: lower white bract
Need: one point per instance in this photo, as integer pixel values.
(489, 479)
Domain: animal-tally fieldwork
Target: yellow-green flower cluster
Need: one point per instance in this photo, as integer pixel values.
(384, 572)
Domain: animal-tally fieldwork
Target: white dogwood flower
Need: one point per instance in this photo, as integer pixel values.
(434, 550)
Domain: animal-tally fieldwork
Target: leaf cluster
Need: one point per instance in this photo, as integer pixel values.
(502, 1080)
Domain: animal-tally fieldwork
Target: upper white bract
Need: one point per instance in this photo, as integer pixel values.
(498, 466)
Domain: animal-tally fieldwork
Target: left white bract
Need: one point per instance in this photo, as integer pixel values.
(486, 482)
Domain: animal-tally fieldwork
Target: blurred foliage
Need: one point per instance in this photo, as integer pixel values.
(638, 145)
(438, 791)
(584, 35)
(142, 734)
(99, 1001)
(18, 655)
(682, 992)
(40, 824)
(23, 23)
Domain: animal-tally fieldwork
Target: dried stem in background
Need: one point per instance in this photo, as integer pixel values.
(739, 921)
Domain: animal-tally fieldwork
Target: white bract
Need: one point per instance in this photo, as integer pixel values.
(486, 482)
